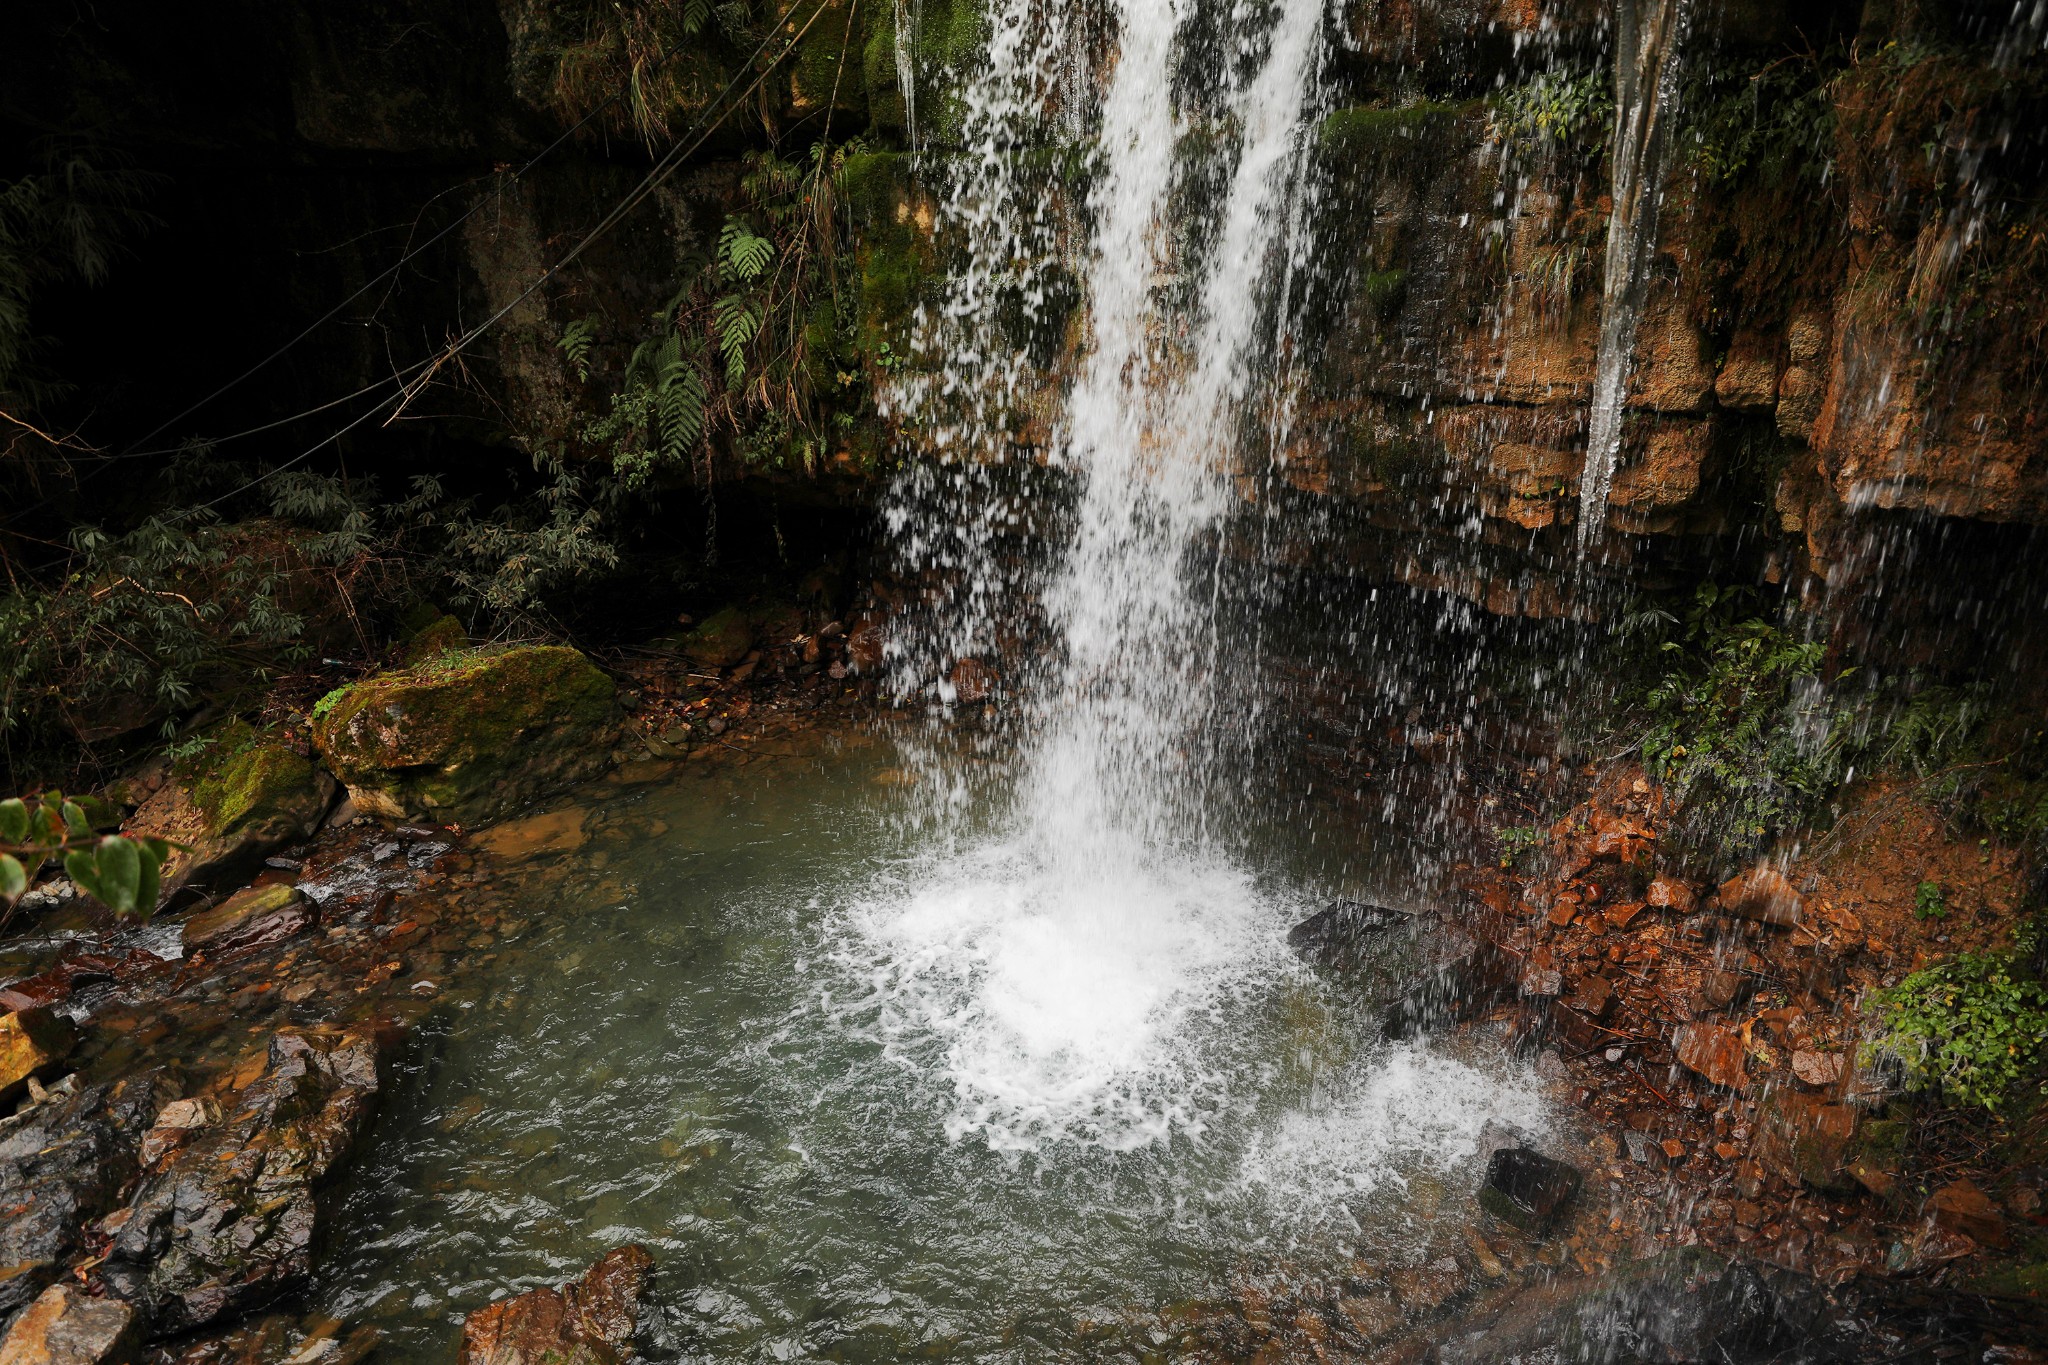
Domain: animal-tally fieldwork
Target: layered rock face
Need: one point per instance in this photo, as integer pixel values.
(1812, 353)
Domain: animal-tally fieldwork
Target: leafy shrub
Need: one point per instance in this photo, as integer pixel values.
(1516, 840)
(1969, 1028)
(1731, 733)
(1928, 902)
(1559, 114)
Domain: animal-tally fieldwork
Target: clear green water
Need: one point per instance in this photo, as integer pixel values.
(863, 1099)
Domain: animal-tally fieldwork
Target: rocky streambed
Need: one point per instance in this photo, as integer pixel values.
(412, 1069)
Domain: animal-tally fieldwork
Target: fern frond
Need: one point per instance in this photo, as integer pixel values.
(738, 320)
(577, 340)
(741, 255)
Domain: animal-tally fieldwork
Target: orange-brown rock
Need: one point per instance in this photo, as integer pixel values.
(1805, 1139)
(1961, 1207)
(65, 1327)
(1669, 893)
(1713, 1052)
(585, 1322)
(1762, 894)
(33, 1042)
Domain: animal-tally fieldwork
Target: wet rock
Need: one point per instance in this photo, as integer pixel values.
(33, 1042)
(1805, 1139)
(175, 1126)
(1961, 1207)
(242, 799)
(1427, 1288)
(1761, 894)
(973, 681)
(1721, 989)
(590, 1321)
(229, 1223)
(62, 1163)
(1669, 893)
(1713, 1052)
(1371, 1316)
(1344, 933)
(1471, 981)
(1643, 1149)
(256, 918)
(557, 831)
(1819, 1069)
(65, 1327)
(1526, 1188)
(469, 737)
(1593, 996)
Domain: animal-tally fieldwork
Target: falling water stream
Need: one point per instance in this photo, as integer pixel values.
(1649, 35)
(959, 1062)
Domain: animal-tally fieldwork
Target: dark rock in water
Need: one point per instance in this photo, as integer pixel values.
(61, 1165)
(1342, 932)
(228, 1224)
(1527, 1188)
(591, 1321)
(256, 918)
(1459, 989)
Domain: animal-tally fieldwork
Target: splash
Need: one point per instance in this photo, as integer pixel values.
(1648, 37)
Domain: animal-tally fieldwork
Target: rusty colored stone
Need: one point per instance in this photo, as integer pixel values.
(1593, 996)
(1805, 1139)
(1669, 893)
(1712, 1052)
(1818, 1069)
(33, 1042)
(1961, 1207)
(1620, 916)
(1762, 894)
(586, 1322)
(65, 1327)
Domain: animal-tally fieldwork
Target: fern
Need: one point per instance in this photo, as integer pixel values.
(577, 340)
(696, 14)
(738, 320)
(741, 255)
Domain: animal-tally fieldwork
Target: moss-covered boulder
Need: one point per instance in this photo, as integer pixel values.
(720, 640)
(238, 797)
(469, 736)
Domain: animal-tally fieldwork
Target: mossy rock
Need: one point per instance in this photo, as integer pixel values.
(442, 635)
(238, 798)
(721, 639)
(470, 736)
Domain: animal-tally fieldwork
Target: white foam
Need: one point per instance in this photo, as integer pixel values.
(1068, 1005)
(1412, 1109)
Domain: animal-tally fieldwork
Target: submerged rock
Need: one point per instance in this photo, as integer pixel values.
(228, 1223)
(1526, 1188)
(469, 737)
(245, 796)
(65, 1327)
(62, 1163)
(591, 1321)
(1343, 932)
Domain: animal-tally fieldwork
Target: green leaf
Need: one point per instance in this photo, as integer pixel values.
(149, 878)
(98, 813)
(75, 821)
(14, 820)
(120, 873)
(13, 877)
(81, 867)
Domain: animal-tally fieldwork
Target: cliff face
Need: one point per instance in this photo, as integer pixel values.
(1837, 325)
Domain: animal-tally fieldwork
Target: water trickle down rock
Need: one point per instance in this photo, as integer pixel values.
(1648, 36)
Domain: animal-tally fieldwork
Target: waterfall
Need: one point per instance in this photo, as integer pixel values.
(1062, 958)
(1647, 39)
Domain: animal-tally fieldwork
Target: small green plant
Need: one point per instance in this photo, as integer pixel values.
(1968, 1028)
(1928, 902)
(119, 872)
(1516, 840)
(1557, 113)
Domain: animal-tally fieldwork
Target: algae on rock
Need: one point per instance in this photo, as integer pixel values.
(468, 737)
